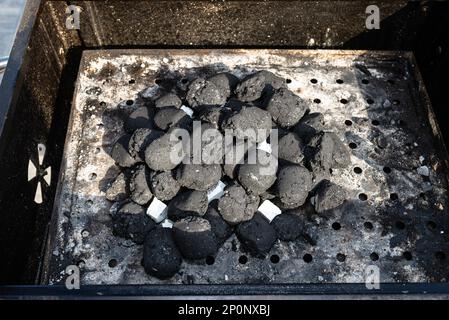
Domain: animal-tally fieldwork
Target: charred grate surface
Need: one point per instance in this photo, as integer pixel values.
(395, 218)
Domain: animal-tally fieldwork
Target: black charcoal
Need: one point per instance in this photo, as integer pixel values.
(194, 238)
(120, 152)
(258, 177)
(142, 117)
(257, 236)
(290, 148)
(131, 222)
(199, 176)
(220, 227)
(319, 155)
(309, 126)
(286, 108)
(328, 196)
(168, 100)
(293, 185)
(340, 153)
(251, 123)
(161, 257)
(140, 140)
(139, 185)
(288, 226)
(117, 189)
(170, 117)
(236, 205)
(225, 81)
(187, 203)
(163, 185)
(164, 153)
(205, 93)
(251, 88)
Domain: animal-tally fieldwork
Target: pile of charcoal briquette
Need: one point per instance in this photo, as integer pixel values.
(195, 227)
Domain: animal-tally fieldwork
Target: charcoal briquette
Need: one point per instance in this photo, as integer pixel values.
(257, 178)
(163, 185)
(139, 187)
(205, 93)
(168, 100)
(290, 148)
(142, 117)
(225, 81)
(120, 152)
(288, 226)
(236, 205)
(131, 222)
(293, 185)
(169, 117)
(117, 189)
(251, 88)
(257, 236)
(198, 176)
(286, 108)
(164, 153)
(194, 238)
(309, 126)
(140, 140)
(220, 227)
(161, 257)
(250, 123)
(328, 196)
(187, 203)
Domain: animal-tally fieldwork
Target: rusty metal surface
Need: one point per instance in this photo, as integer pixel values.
(385, 101)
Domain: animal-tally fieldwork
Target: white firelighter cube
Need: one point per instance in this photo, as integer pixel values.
(269, 210)
(187, 110)
(157, 210)
(167, 223)
(217, 192)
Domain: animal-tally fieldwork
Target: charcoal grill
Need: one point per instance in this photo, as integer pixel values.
(395, 218)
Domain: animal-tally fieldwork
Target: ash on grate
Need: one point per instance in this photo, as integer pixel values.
(180, 161)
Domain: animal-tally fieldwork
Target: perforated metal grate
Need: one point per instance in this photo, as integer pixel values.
(395, 218)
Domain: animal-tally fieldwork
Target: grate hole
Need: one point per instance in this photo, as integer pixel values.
(358, 170)
(375, 122)
(210, 260)
(344, 101)
(158, 81)
(348, 122)
(370, 101)
(394, 196)
(92, 176)
(374, 256)
(336, 226)
(132, 81)
(352, 145)
(81, 264)
(84, 233)
(314, 81)
(407, 255)
(399, 225)
(387, 169)
(339, 81)
(440, 255)
(288, 80)
(275, 258)
(97, 150)
(431, 225)
(365, 81)
(243, 259)
(317, 100)
(112, 263)
(341, 257)
(102, 103)
(184, 80)
(307, 258)
(363, 197)
(396, 102)
(129, 102)
(368, 225)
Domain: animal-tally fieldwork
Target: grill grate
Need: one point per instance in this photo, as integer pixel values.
(395, 218)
